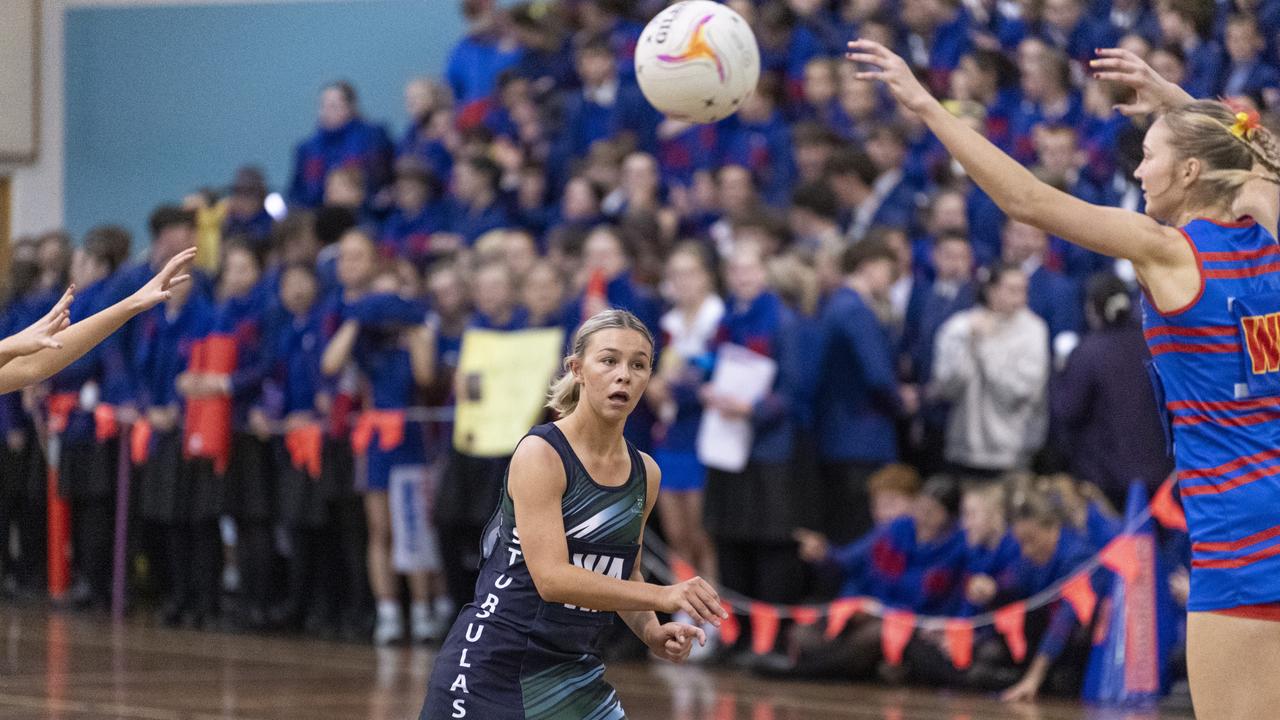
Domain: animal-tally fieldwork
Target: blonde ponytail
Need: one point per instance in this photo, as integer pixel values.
(565, 391)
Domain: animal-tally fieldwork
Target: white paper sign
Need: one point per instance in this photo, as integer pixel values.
(744, 375)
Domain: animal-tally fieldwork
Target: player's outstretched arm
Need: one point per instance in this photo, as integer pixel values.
(1106, 230)
(536, 482)
(77, 339)
(1153, 94)
(41, 334)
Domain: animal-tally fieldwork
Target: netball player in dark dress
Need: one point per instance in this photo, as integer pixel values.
(562, 553)
(1205, 253)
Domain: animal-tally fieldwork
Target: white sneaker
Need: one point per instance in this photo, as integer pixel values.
(424, 627)
(389, 629)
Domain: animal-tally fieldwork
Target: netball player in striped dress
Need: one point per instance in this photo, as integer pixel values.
(51, 343)
(1205, 253)
(562, 553)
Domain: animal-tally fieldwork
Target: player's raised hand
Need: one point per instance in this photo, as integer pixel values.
(892, 70)
(1152, 93)
(157, 290)
(673, 641)
(696, 597)
(42, 333)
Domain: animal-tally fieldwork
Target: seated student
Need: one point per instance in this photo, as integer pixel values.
(914, 563)
(991, 552)
(1051, 551)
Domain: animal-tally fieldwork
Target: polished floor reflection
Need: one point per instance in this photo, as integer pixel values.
(70, 666)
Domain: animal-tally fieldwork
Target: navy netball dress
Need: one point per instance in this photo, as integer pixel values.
(511, 655)
(1218, 362)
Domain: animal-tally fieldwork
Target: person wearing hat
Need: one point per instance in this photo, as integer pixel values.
(418, 214)
(914, 563)
(246, 212)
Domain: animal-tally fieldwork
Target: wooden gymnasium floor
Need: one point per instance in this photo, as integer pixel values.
(77, 666)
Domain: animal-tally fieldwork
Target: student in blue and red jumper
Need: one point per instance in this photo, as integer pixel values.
(419, 212)
(477, 205)
(247, 215)
(914, 563)
(384, 336)
(1188, 25)
(860, 400)
(1250, 70)
(183, 502)
(757, 137)
(293, 397)
(472, 484)
(751, 514)
(689, 329)
(86, 477)
(1052, 550)
(606, 107)
(342, 139)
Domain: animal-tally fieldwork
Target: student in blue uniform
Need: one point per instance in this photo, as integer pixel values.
(181, 504)
(562, 553)
(914, 563)
(1052, 550)
(860, 400)
(86, 477)
(342, 139)
(751, 514)
(293, 397)
(1204, 253)
(249, 481)
(384, 335)
(688, 329)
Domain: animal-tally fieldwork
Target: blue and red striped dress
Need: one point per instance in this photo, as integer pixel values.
(1218, 362)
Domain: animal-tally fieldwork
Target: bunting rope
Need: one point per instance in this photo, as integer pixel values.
(809, 612)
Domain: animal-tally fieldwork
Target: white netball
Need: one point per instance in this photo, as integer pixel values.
(697, 61)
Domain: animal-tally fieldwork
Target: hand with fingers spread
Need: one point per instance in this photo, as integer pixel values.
(893, 71)
(673, 641)
(1152, 93)
(42, 333)
(695, 597)
(159, 288)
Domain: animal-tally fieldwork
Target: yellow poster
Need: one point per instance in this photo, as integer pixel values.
(502, 385)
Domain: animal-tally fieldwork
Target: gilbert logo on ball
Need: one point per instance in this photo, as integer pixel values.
(697, 61)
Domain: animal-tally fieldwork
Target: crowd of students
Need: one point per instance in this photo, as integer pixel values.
(910, 322)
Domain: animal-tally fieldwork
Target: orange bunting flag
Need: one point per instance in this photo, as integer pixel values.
(105, 425)
(895, 633)
(683, 570)
(805, 614)
(1166, 510)
(389, 424)
(140, 441)
(60, 406)
(1121, 557)
(1079, 593)
(729, 628)
(842, 611)
(764, 627)
(305, 446)
(959, 634)
(1010, 622)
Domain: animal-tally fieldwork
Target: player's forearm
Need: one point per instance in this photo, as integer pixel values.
(18, 372)
(585, 589)
(640, 621)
